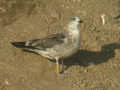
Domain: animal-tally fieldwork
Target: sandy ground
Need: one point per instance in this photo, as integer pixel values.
(95, 67)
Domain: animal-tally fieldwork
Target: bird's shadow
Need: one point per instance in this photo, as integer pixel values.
(86, 58)
(117, 17)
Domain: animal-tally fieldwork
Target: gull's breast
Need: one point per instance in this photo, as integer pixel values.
(70, 46)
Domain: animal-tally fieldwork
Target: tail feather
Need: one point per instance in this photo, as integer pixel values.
(20, 45)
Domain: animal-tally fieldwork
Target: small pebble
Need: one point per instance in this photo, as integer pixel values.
(2, 9)
(6, 82)
(91, 63)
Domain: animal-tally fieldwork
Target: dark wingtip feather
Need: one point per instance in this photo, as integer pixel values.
(18, 44)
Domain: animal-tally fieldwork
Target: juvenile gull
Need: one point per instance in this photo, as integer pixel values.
(56, 46)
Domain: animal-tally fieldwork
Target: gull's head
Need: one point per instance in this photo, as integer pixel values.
(76, 19)
(75, 22)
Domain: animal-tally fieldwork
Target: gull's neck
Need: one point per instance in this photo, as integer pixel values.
(73, 35)
(73, 30)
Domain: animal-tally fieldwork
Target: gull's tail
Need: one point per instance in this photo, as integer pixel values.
(24, 47)
(18, 44)
(21, 45)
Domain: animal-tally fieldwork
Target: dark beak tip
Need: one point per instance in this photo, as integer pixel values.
(80, 21)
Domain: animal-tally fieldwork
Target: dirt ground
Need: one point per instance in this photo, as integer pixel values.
(95, 67)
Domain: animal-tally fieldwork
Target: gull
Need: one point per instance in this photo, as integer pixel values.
(56, 46)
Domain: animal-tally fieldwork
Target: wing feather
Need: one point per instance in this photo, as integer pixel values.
(47, 42)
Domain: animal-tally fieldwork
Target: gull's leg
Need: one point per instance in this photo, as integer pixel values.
(62, 66)
(57, 66)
